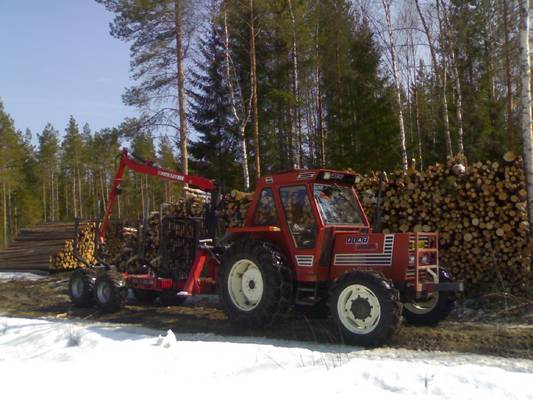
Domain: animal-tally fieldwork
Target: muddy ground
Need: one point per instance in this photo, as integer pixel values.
(495, 324)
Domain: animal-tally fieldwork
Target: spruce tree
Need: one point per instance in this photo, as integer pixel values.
(211, 116)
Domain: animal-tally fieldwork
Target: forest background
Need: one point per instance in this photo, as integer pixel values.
(233, 90)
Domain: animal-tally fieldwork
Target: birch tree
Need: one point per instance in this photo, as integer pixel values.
(396, 79)
(525, 100)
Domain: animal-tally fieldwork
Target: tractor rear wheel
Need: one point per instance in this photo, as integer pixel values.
(110, 291)
(81, 287)
(255, 284)
(365, 308)
(434, 309)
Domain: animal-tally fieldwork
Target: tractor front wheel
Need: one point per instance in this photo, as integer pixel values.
(365, 308)
(432, 310)
(110, 291)
(255, 284)
(81, 287)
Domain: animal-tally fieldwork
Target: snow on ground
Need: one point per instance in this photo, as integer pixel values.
(17, 275)
(77, 360)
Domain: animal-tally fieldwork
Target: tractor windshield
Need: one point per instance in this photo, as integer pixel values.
(337, 205)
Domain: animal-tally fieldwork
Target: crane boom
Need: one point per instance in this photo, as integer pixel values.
(137, 164)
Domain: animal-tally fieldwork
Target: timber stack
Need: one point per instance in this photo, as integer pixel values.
(64, 259)
(479, 211)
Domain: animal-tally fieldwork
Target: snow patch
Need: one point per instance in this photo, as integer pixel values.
(166, 341)
(56, 357)
(20, 276)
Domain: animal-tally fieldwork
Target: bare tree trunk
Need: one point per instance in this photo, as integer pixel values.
(66, 200)
(79, 192)
(525, 100)
(403, 149)
(4, 204)
(508, 77)
(52, 199)
(319, 118)
(447, 135)
(459, 93)
(439, 75)
(296, 88)
(418, 131)
(253, 76)
(180, 55)
(58, 213)
(44, 202)
(241, 122)
(74, 206)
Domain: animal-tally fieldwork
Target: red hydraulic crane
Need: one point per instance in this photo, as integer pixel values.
(136, 163)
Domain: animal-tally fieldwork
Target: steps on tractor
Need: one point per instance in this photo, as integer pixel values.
(307, 294)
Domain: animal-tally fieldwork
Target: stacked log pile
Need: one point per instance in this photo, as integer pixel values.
(65, 260)
(234, 207)
(479, 211)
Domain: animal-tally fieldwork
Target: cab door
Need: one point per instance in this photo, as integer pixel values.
(301, 228)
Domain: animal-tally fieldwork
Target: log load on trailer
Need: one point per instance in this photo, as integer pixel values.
(306, 240)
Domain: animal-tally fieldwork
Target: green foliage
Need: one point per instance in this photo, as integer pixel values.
(210, 113)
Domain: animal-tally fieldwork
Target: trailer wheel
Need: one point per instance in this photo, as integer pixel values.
(433, 310)
(365, 308)
(110, 291)
(255, 284)
(81, 287)
(145, 296)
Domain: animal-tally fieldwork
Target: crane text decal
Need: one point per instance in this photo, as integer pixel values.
(170, 175)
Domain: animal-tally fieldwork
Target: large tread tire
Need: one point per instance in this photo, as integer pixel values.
(277, 293)
(383, 292)
(416, 314)
(81, 287)
(110, 291)
(145, 296)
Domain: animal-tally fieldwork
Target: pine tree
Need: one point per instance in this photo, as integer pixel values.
(48, 160)
(72, 149)
(159, 31)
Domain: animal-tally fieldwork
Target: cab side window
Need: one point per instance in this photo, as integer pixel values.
(300, 218)
(265, 212)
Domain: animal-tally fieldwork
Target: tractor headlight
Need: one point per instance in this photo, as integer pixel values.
(326, 176)
(424, 259)
(411, 259)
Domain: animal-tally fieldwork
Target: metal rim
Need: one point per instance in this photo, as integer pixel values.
(423, 307)
(103, 292)
(245, 284)
(361, 294)
(77, 287)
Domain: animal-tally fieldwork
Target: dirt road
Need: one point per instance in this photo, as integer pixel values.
(462, 333)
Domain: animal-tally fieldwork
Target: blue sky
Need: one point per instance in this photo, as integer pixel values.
(56, 59)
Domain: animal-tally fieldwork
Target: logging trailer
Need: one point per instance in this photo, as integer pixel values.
(306, 240)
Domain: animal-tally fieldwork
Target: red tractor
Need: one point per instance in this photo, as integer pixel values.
(306, 240)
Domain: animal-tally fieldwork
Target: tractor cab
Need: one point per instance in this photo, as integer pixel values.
(302, 212)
